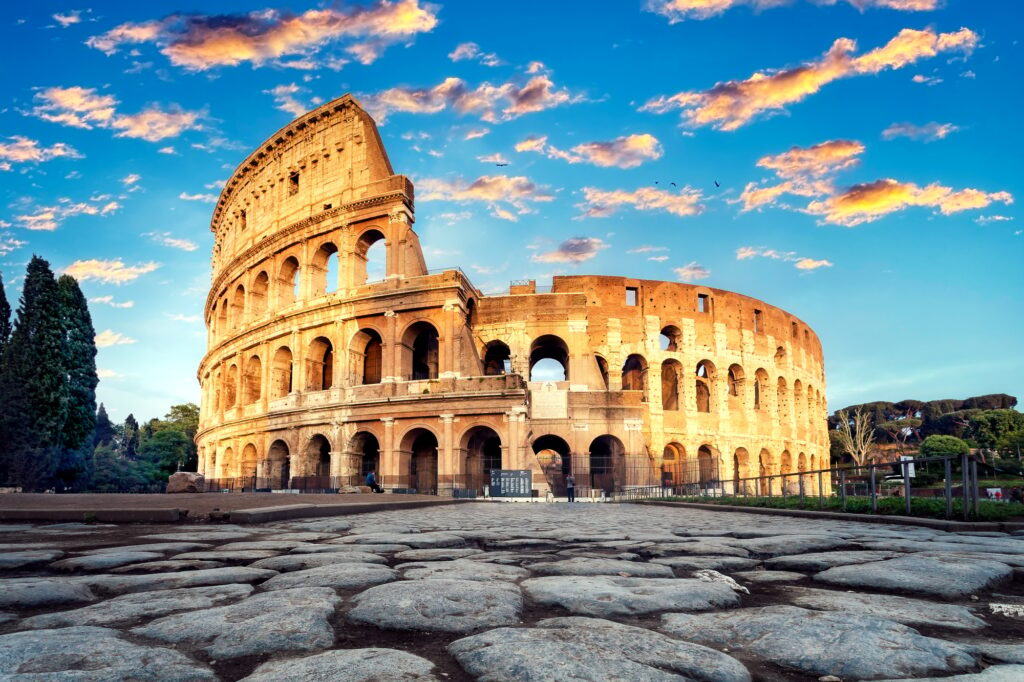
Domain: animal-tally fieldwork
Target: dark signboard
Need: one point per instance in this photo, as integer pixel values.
(511, 483)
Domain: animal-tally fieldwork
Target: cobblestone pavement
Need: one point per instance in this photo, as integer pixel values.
(495, 591)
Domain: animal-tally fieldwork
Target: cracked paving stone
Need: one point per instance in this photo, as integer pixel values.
(167, 566)
(350, 665)
(411, 540)
(899, 609)
(348, 575)
(298, 562)
(460, 569)
(584, 566)
(819, 561)
(717, 563)
(997, 673)
(105, 561)
(40, 592)
(441, 554)
(610, 596)
(438, 605)
(939, 576)
(769, 576)
(12, 560)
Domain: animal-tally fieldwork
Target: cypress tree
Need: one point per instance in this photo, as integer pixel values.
(5, 317)
(33, 382)
(80, 344)
(104, 432)
(130, 444)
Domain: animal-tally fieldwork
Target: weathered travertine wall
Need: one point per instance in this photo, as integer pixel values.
(422, 377)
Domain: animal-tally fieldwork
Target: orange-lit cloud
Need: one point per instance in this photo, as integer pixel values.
(108, 271)
(622, 152)
(600, 203)
(85, 108)
(929, 132)
(198, 42)
(72, 17)
(49, 218)
(494, 190)
(691, 272)
(870, 201)
(681, 10)
(805, 171)
(108, 337)
(21, 149)
(492, 103)
(575, 250)
(474, 133)
(799, 262)
(497, 157)
(732, 104)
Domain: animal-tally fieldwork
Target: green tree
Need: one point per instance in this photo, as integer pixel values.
(1011, 444)
(5, 317)
(901, 430)
(184, 418)
(165, 452)
(130, 437)
(33, 383)
(104, 431)
(938, 445)
(988, 427)
(80, 344)
(856, 435)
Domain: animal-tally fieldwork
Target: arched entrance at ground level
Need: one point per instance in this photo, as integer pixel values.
(707, 466)
(764, 470)
(607, 464)
(247, 465)
(673, 465)
(421, 446)
(227, 464)
(555, 461)
(482, 448)
(740, 470)
(366, 447)
(277, 466)
(318, 457)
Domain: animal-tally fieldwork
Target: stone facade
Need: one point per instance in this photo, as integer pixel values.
(424, 378)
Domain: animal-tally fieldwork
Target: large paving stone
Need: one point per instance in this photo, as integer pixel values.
(305, 536)
(438, 605)
(610, 596)
(351, 665)
(39, 592)
(332, 546)
(769, 576)
(461, 569)
(441, 554)
(941, 576)
(228, 555)
(28, 557)
(819, 561)
(583, 566)
(412, 540)
(266, 623)
(317, 525)
(1003, 653)
(944, 545)
(102, 562)
(130, 607)
(847, 645)
(297, 562)
(703, 547)
(91, 654)
(162, 547)
(717, 563)
(997, 673)
(124, 584)
(899, 609)
(590, 649)
(345, 575)
(211, 536)
(780, 545)
(257, 545)
(167, 566)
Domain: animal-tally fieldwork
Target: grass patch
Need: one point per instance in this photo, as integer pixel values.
(929, 508)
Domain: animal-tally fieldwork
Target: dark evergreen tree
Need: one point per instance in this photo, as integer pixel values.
(130, 437)
(5, 317)
(33, 382)
(80, 343)
(104, 432)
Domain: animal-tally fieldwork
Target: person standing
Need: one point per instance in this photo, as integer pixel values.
(570, 487)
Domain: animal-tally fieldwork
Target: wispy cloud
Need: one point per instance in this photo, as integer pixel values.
(177, 317)
(130, 179)
(166, 239)
(623, 152)
(647, 249)
(69, 18)
(103, 373)
(206, 198)
(599, 203)
(198, 42)
(929, 132)
(799, 262)
(732, 104)
(494, 190)
(21, 149)
(804, 171)
(575, 250)
(474, 133)
(285, 99)
(472, 51)
(691, 272)
(108, 271)
(497, 157)
(49, 218)
(682, 10)
(109, 300)
(107, 338)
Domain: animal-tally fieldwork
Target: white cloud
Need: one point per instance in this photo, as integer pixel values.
(206, 198)
(108, 271)
(20, 149)
(575, 250)
(107, 338)
(692, 271)
(109, 300)
(465, 51)
(166, 239)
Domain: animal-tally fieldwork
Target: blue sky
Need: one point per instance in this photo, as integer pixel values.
(867, 153)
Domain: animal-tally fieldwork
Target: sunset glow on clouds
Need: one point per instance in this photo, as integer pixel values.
(622, 152)
(599, 203)
(681, 10)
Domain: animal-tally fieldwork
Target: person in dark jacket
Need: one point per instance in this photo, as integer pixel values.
(371, 481)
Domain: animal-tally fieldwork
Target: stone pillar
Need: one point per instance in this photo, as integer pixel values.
(581, 360)
(388, 459)
(266, 372)
(239, 383)
(446, 362)
(390, 351)
(446, 465)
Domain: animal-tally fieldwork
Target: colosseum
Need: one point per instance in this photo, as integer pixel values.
(319, 369)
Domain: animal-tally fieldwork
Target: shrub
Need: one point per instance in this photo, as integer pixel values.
(938, 446)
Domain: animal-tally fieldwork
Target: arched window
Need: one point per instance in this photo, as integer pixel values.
(370, 260)
(422, 350)
(366, 446)
(704, 383)
(252, 381)
(258, 295)
(222, 317)
(369, 351)
(320, 365)
(231, 387)
(740, 467)
(281, 373)
(238, 307)
(671, 372)
(247, 465)
(324, 260)
(634, 374)
(288, 281)
(707, 465)
(277, 467)
(497, 359)
(671, 339)
(782, 399)
(735, 378)
(549, 359)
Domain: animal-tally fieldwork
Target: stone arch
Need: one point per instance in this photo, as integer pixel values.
(607, 463)
(782, 399)
(277, 466)
(228, 465)
(736, 380)
(366, 447)
(325, 258)
(740, 469)
(367, 353)
(785, 462)
(252, 380)
(361, 272)
(707, 464)
(481, 446)
(705, 383)
(288, 281)
(258, 293)
(281, 373)
(798, 402)
(671, 375)
(497, 359)
(320, 364)
(318, 458)
(419, 445)
(549, 347)
(231, 386)
(555, 458)
(238, 307)
(764, 470)
(673, 464)
(248, 463)
(670, 339)
(421, 351)
(222, 317)
(760, 388)
(634, 374)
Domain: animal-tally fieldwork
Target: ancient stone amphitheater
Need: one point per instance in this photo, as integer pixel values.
(318, 371)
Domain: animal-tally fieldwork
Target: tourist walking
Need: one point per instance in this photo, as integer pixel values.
(371, 481)
(570, 487)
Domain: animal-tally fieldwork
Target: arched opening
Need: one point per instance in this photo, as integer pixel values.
(370, 260)
(671, 339)
(707, 466)
(366, 446)
(482, 446)
(320, 365)
(740, 469)
(222, 317)
(278, 465)
(602, 368)
(252, 382)
(634, 374)
(671, 373)
(782, 400)
(247, 465)
(288, 281)
(760, 386)
(325, 259)
(735, 378)
(218, 392)
(368, 357)
(555, 461)
(607, 463)
(673, 465)
(785, 463)
(549, 359)
(497, 359)
(281, 373)
(318, 461)
(470, 313)
(258, 295)
(764, 470)
(231, 387)
(798, 402)
(238, 307)
(421, 445)
(227, 464)
(422, 350)
(704, 382)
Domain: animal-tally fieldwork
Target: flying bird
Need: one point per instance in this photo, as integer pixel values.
(673, 184)
(716, 184)
(501, 164)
